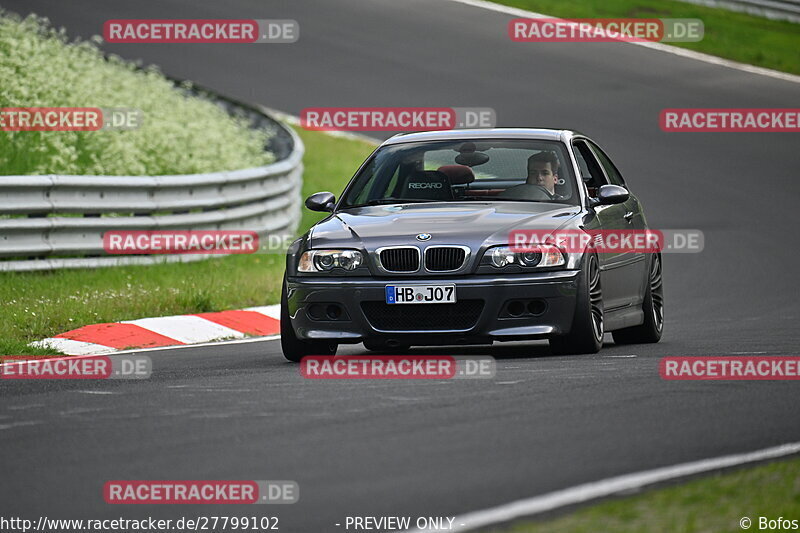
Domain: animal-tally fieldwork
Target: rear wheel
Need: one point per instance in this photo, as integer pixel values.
(586, 333)
(295, 349)
(653, 307)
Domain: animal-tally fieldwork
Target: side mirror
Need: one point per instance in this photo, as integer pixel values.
(321, 201)
(611, 194)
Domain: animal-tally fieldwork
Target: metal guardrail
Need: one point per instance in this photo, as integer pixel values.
(59, 221)
(771, 9)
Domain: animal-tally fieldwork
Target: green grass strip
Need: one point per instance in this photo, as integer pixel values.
(713, 504)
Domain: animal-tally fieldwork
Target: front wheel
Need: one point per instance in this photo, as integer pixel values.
(586, 333)
(653, 307)
(295, 349)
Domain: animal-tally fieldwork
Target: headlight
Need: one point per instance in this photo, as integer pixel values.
(327, 260)
(542, 256)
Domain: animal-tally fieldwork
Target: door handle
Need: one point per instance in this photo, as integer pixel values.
(628, 216)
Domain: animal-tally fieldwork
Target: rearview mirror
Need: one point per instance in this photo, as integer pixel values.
(611, 194)
(321, 201)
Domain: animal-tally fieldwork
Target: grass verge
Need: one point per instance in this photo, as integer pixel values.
(754, 40)
(42, 304)
(713, 504)
(180, 134)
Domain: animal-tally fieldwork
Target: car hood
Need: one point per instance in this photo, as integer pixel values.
(471, 223)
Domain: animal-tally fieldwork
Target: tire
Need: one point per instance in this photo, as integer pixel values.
(586, 334)
(295, 349)
(653, 307)
(381, 347)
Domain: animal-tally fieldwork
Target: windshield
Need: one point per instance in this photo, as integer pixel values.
(481, 170)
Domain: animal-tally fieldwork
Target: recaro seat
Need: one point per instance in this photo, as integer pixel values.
(429, 185)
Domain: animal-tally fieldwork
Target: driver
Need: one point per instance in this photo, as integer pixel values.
(541, 181)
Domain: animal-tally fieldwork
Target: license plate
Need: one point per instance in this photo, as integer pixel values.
(420, 294)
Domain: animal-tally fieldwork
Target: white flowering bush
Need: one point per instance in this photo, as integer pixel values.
(180, 134)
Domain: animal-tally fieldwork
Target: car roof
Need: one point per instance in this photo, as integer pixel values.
(542, 134)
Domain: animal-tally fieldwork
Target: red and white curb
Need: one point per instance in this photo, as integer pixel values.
(101, 339)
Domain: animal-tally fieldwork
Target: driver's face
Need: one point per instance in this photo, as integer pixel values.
(540, 173)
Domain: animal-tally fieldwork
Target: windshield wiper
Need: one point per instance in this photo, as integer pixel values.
(382, 201)
(496, 199)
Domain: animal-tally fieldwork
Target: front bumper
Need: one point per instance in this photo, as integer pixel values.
(552, 293)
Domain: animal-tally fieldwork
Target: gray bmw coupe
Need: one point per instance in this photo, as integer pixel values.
(418, 249)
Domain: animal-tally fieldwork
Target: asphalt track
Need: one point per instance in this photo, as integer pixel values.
(444, 448)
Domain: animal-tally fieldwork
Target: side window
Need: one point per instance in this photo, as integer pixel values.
(360, 195)
(393, 183)
(591, 173)
(384, 176)
(611, 171)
